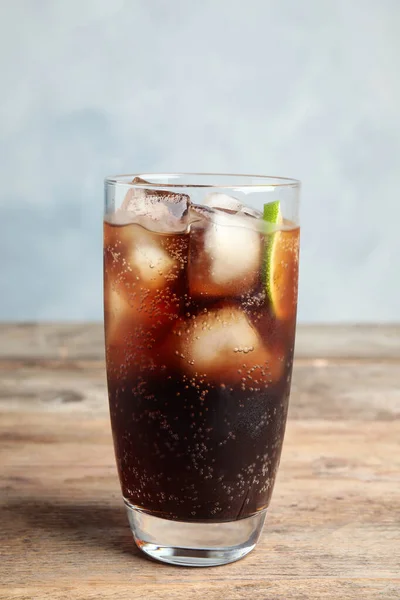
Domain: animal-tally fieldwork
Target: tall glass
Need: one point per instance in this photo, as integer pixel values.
(200, 295)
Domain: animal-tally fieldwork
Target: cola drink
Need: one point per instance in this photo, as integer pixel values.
(199, 323)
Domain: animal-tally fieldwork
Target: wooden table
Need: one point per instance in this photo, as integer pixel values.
(333, 529)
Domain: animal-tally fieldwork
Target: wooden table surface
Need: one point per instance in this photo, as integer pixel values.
(333, 528)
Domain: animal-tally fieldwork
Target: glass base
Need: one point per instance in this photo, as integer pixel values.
(194, 544)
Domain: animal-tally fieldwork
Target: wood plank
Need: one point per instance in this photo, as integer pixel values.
(52, 341)
(348, 341)
(332, 390)
(85, 341)
(332, 525)
(280, 589)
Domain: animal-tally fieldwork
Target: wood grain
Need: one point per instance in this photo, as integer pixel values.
(77, 341)
(333, 529)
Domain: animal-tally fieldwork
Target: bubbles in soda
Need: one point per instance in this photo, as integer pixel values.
(198, 363)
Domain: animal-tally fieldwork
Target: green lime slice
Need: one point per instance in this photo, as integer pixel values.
(281, 264)
(272, 214)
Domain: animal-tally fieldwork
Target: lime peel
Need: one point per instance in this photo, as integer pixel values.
(272, 214)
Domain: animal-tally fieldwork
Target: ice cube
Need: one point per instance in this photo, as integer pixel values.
(144, 283)
(119, 325)
(136, 319)
(134, 254)
(156, 210)
(225, 254)
(116, 308)
(130, 338)
(149, 260)
(229, 203)
(222, 346)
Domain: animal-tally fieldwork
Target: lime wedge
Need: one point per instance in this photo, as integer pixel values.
(272, 212)
(275, 261)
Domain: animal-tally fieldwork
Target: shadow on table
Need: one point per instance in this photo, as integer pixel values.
(88, 524)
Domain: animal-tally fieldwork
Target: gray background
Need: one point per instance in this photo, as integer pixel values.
(308, 89)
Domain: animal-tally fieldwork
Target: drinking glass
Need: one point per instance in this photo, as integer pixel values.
(200, 298)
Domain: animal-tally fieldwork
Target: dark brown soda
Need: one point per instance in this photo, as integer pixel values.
(191, 445)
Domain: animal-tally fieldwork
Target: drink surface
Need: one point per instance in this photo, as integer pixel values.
(199, 359)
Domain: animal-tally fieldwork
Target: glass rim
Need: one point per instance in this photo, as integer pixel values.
(265, 181)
